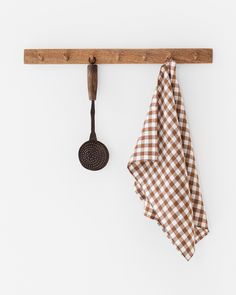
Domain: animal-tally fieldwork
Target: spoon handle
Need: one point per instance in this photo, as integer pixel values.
(92, 75)
(92, 113)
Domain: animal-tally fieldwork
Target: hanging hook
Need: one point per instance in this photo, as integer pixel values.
(92, 60)
(169, 57)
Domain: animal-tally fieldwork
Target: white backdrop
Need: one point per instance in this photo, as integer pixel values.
(66, 230)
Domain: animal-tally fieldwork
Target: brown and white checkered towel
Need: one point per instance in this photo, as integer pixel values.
(163, 166)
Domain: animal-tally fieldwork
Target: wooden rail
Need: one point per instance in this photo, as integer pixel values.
(117, 56)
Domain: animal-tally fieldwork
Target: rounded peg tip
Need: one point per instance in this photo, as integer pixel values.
(66, 56)
(145, 57)
(118, 57)
(195, 56)
(40, 57)
(168, 57)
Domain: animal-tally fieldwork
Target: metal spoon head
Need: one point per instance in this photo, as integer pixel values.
(93, 155)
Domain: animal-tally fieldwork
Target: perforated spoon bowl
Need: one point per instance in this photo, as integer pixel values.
(93, 154)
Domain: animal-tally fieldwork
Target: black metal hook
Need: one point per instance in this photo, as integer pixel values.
(92, 60)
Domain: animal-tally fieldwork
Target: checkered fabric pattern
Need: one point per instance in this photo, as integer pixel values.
(163, 166)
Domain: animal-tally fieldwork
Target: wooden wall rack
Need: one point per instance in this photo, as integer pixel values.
(118, 56)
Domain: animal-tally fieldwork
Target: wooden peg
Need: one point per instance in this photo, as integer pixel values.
(40, 57)
(195, 56)
(168, 57)
(66, 56)
(145, 57)
(118, 57)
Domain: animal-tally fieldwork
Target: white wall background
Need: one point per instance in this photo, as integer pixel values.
(65, 230)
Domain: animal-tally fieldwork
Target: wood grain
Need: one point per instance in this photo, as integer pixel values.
(118, 56)
(92, 75)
